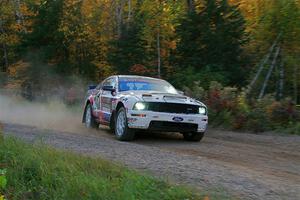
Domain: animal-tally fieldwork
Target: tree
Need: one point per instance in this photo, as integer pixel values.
(9, 34)
(129, 49)
(45, 36)
(78, 39)
(211, 40)
(160, 19)
(266, 20)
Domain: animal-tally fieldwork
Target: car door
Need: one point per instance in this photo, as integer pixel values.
(96, 104)
(106, 99)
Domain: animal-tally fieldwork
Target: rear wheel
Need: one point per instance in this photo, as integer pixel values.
(122, 131)
(90, 121)
(193, 136)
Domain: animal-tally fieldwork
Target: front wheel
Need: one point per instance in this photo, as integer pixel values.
(122, 131)
(90, 121)
(193, 136)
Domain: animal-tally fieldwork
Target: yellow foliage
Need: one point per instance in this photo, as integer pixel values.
(242, 102)
(17, 67)
(14, 74)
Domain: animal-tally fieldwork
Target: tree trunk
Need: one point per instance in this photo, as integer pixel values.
(19, 15)
(281, 79)
(4, 48)
(262, 92)
(191, 5)
(296, 83)
(119, 15)
(262, 64)
(129, 14)
(129, 11)
(158, 54)
(5, 66)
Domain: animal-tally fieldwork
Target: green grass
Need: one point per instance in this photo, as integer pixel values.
(40, 172)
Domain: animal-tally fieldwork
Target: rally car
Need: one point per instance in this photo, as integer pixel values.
(131, 103)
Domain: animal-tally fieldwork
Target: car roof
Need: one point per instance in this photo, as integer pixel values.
(136, 76)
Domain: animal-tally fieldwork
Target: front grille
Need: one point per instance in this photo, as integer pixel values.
(173, 108)
(172, 126)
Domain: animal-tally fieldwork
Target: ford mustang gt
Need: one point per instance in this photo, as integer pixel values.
(131, 103)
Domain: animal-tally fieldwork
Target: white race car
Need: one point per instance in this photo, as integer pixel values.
(131, 103)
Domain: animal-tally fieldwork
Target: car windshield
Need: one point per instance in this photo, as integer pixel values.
(126, 84)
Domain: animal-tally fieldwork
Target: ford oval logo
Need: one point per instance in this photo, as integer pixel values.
(177, 119)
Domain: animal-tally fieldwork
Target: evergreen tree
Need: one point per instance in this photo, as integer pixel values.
(59, 35)
(210, 42)
(130, 48)
(45, 36)
(42, 44)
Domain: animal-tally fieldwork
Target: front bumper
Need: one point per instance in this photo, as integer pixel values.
(158, 121)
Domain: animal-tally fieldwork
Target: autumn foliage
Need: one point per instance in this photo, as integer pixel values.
(185, 42)
(229, 108)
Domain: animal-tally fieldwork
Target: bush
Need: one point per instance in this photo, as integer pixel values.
(283, 112)
(229, 108)
(3, 79)
(257, 120)
(197, 91)
(293, 128)
(221, 98)
(205, 75)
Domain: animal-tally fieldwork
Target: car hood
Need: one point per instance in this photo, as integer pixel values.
(154, 96)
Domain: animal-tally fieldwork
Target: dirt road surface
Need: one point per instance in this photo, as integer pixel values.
(240, 165)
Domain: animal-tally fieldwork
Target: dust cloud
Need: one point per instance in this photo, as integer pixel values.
(54, 114)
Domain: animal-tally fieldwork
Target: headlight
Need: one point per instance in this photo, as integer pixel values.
(202, 110)
(139, 106)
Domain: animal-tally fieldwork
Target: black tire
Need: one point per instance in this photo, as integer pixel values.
(124, 133)
(112, 123)
(193, 136)
(91, 123)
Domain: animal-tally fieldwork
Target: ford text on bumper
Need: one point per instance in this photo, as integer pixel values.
(167, 121)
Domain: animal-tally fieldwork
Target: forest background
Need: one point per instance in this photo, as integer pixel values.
(241, 57)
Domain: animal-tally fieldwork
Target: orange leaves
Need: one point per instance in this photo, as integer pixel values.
(139, 69)
(206, 198)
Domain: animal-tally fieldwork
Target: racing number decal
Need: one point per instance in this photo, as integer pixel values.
(106, 99)
(106, 102)
(106, 106)
(97, 102)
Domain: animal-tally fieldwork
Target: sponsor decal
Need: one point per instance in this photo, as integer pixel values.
(177, 119)
(131, 120)
(104, 117)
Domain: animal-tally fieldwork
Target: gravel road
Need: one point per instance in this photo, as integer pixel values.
(240, 165)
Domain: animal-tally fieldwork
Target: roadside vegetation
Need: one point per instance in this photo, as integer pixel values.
(39, 172)
(230, 108)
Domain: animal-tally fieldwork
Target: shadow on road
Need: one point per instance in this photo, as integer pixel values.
(146, 136)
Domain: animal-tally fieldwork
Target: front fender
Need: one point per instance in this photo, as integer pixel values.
(128, 101)
(89, 100)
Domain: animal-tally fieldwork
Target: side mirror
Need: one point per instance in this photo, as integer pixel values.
(108, 88)
(180, 92)
(91, 87)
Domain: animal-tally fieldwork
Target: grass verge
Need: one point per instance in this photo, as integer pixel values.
(39, 172)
